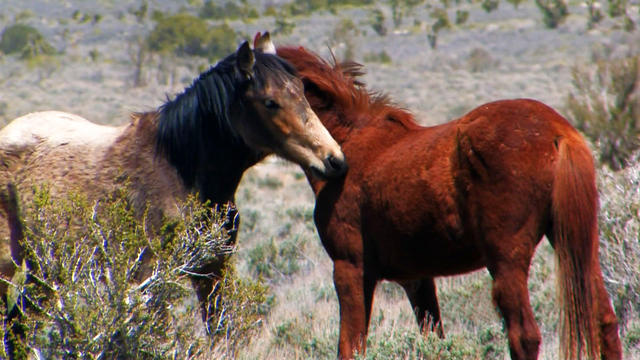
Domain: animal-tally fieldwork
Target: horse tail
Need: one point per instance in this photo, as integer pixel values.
(575, 238)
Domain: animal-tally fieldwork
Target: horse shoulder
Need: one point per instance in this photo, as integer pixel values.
(152, 181)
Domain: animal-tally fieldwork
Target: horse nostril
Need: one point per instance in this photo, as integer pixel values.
(336, 165)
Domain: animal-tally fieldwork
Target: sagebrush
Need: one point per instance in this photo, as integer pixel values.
(100, 284)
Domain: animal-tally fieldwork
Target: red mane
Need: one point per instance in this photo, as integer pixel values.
(338, 86)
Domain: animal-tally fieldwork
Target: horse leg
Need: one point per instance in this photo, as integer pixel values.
(610, 346)
(206, 284)
(206, 289)
(423, 297)
(355, 296)
(508, 264)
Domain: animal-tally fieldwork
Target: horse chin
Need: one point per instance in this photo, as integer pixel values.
(318, 174)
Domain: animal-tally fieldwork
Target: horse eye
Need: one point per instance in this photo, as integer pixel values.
(270, 104)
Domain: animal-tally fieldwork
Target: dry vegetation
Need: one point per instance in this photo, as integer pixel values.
(281, 290)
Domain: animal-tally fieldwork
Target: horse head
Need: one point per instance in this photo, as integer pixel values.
(278, 117)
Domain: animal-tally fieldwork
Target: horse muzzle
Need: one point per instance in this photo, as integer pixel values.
(334, 167)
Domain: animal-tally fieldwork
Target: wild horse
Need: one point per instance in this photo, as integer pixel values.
(249, 105)
(480, 191)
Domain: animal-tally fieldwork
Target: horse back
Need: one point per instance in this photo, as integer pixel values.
(69, 154)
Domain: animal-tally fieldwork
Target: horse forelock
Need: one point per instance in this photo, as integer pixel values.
(274, 69)
(341, 84)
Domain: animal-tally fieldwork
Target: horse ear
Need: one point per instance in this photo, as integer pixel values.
(245, 59)
(263, 43)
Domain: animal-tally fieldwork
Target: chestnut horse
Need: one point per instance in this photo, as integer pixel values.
(479, 191)
(249, 105)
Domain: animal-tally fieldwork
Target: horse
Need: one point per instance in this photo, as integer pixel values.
(249, 105)
(477, 192)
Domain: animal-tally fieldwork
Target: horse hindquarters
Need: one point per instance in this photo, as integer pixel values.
(574, 236)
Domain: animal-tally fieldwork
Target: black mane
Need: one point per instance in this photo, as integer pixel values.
(195, 129)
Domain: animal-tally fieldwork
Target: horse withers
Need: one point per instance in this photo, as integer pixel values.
(249, 105)
(477, 192)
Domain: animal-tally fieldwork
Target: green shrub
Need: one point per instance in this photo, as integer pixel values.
(184, 34)
(553, 12)
(461, 16)
(606, 108)
(515, 3)
(90, 294)
(378, 22)
(25, 40)
(380, 57)
(617, 7)
(594, 12)
(230, 10)
(490, 5)
(295, 334)
(283, 26)
(275, 259)
(407, 344)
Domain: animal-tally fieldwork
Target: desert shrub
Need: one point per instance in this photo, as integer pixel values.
(343, 35)
(274, 259)
(230, 10)
(553, 12)
(619, 221)
(283, 26)
(617, 7)
(141, 12)
(378, 22)
(185, 34)
(270, 11)
(515, 3)
(88, 294)
(271, 182)
(379, 57)
(490, 5)
(26, 41)
(441, 21)
(306, 7)
(594, 12)
(410, 344)
(461, 16)
(606, 108)
(295, 334)
(480, 60)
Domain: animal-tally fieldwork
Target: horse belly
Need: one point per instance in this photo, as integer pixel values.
(425, 252)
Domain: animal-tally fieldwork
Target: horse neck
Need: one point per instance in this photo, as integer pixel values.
(355, 126)
(217, 173)
(217, 179)
(355, 131)
(195, 135)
